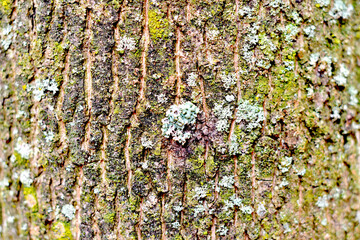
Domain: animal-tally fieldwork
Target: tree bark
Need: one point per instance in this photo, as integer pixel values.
(160, 119)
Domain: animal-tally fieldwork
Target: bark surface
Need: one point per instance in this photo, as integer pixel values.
(97, 140)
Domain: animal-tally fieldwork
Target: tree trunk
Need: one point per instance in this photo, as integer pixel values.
(160, 119)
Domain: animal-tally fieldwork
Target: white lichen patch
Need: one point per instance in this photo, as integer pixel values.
(49, 136)
(126, 43)
(228, 79)
(227, 181)
(177, 117)
(176, 225)
(340, 10)
(191, 80)
(161, 98)
(40, 86)
(200, 192)
(69, 211)
(212, 34)
(223, 113)
(198, 209)
(229, 98)
(246, 209)
(314, 58)
(4, 183)
(285, 164)
(229, 204)
(290, 32)
(341, 77)
(283, 183)
(23, 149)
(178, 208)
(146, 143)
(353, 96)
(310, 31)
(250, 114)
(322, 3)
(287, 228)
(25, 178)
(7, 37)
(322, 202)
(234, 146)
(222, 230)
(261, 210)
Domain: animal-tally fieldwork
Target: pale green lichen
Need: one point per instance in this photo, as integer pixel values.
(228, 79)
(251, 115)
(223, 113)
(177, 118)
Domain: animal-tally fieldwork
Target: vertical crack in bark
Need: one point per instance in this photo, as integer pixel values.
(253, 180)
(2, 199)
(188, 11)
(127, 159)
(163, 223)
(177, 65)
(183, 200)
(78, 203)
(103, 157)
(203, 95)
(88, 78)
(115, 92)
(233, 122)
(146, 42)
(95, 225)
(213, 229)
(62, 128)
(115, 76)
(213, 226)
(141, 217)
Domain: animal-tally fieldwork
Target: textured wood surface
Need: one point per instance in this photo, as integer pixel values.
(273, 154)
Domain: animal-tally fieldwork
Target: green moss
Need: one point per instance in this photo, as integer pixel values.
(19, 161)
(61, 231)
(109, 217)
(30, 196)
(158, 26)
(5, 6)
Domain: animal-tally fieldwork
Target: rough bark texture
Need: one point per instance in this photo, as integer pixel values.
(273, 153)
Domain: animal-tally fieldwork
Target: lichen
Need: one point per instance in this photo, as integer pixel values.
(251, 115)
(177, 118)
(69, 211)
(340, 10)
(23, 149)
(228, 79)
(40, 86)
(25, 178)
(126, 43)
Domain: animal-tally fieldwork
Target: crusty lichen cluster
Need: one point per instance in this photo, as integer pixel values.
(178, 117)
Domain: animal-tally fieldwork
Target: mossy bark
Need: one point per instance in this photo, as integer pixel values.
(85, 84)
